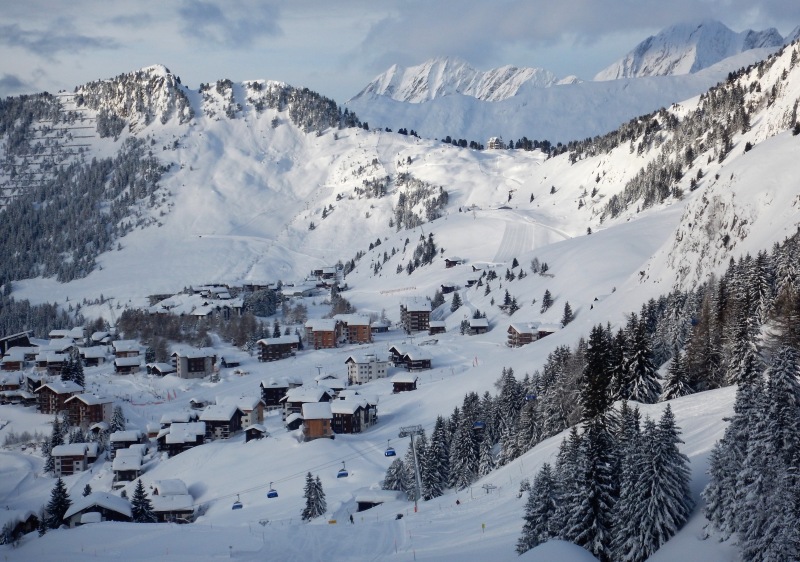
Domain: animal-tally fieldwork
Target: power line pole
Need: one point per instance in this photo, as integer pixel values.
(411, 431)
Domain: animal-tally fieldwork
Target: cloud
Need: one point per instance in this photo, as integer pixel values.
(58, 38)
(11, 84)
(135, 21)
(235, 25)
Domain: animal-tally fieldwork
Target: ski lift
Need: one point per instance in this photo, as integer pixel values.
(237, 504)
(390, 452)
(342, 472)
(272, 493)
(479, 425)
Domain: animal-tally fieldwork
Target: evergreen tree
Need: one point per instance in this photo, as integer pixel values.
(547, 301)
(141, 506)
(67, 369)
(117, 419)
(568, 479)
(396, 478)
(315, 499)
(540, 510)
(568, 316)
(42, 527)
(434, 475)
(276, 329)
(486, 462)
(595, 398)
(676, 383)
(456, 302)
(56, 439)
(58, 505)
(463, 458)
(77, 372)
(641, 372)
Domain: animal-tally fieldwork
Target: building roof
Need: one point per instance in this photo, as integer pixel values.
(523, 328)
(220, 412)
(364, 358)
(172, 502)
(348, 406)
(281, 340)
(245, 403)
(134, 361)
(417, 305)
(408, 378)
(293, 416)
(322, 324)
(375, 496)
(307, 394)
(99, 499)
(413, 352)
(353, 319)
(125, 462)
(126, 346)
(183, 432)
(125, 436)
(170, 487)
(176, 417)
(89, 399)
(61, 387)
(195, 353)
(437, 324)
(479, 323)
(317, 411)
(94, 352)
(70, 450)
(164, 368)
(257, 427)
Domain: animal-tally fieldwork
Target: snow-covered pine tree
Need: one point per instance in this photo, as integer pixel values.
(594, 388)
(396, 477)
(315, 499)
(547, 301)
(568, 315)
(77, 372)
(676, 383)
(117, 419)
(568, 481)
(68, 369)
(86, 490)
(58, 505)
(641, 372)
(540, 511)
(486, 462)
(56, 439)
(463, 458)
(456, 303)
(141, 506)
(433, 474)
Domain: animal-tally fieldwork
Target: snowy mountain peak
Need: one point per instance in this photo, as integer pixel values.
(443, 76)
(686, 48)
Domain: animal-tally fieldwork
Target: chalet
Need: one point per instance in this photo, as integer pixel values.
(126, 348)
(194, 363)
(415, 315)
(448, 288)
(437, 327)
(317, 419)
(151, 429)
(380, 326)
(230, 360)
(272, 349)
(197, 403)
(100, 338)
(362, 368)
(222, 420)
(17, 397)
(51, 362)
(127, 365)
(254, 431)
(172, 502)
(252, 408)
(478, 326)
(70, 459)
(525, 333)
(331, 381)
(160, 369)
(273, 390)
(93, 356)
(124, 439)
(177, 417)
(13, 360)
(367, 498)
(495, 143)
(355, 327)
(52, 396)
(108, 507)
(77, 334)
(410, 356)
(452, 262)
(18, 522)
(293, 421)
(323, 333)
(404, 382)
(352, 415)
(20, 339)
(10, 381)
(86, 409)
(180, 437)
(296, 397)
(127, 464)
(304, 290)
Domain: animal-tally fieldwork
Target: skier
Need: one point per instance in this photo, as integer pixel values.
(351, 519)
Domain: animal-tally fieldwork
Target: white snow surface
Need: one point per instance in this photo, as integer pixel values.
(242, 196)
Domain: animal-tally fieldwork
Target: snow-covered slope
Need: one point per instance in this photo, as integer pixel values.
(686, 48)
(446, 76)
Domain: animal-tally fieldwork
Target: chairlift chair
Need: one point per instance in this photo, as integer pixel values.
(478, 425)
(237, 504)
(272, 493)
(390, 452)
(342, 472)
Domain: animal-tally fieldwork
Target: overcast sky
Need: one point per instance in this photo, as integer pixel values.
(336, 47)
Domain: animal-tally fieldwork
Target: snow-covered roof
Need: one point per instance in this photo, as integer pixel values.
(347, 406)
(281, 340)
(126, 346)
(281, 382)
(176, 417)
(437, 324)
(101, 426)
(376, 496)
(257, 427)
(292, 417)
(163, 368)
(317, 411)
(172, 502)
(89, 399)
(99, 336)
(411, 351)
(417, 305)
(170, 487)
(99, 499)
(124, 462)
(94, 352)
(194, 353)
(524, 328)
(245, 403)
(9, 378)
(183, 432)
(219, 412)
(69, 450)
(353, 319)
(405, 378)
(135, 361)
(479, 323)
(307, 394)
(62, 387)
(125, 436)
(72, 333)
(322, 324)
(51, 357)
(363, 358)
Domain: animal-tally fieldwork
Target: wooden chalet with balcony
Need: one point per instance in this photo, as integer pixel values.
(404, 382)
(296, 397)
(355, 327)
(522, 333)
(411, 357)
(222, 420)
(274, 390)
(87, 409)
(272, 349)
(317, 421)
(97, 507)
(323, 333)
(180, 437)
(194, 363)
(52, 396)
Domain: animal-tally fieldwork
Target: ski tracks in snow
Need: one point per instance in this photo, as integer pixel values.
(517, 239)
